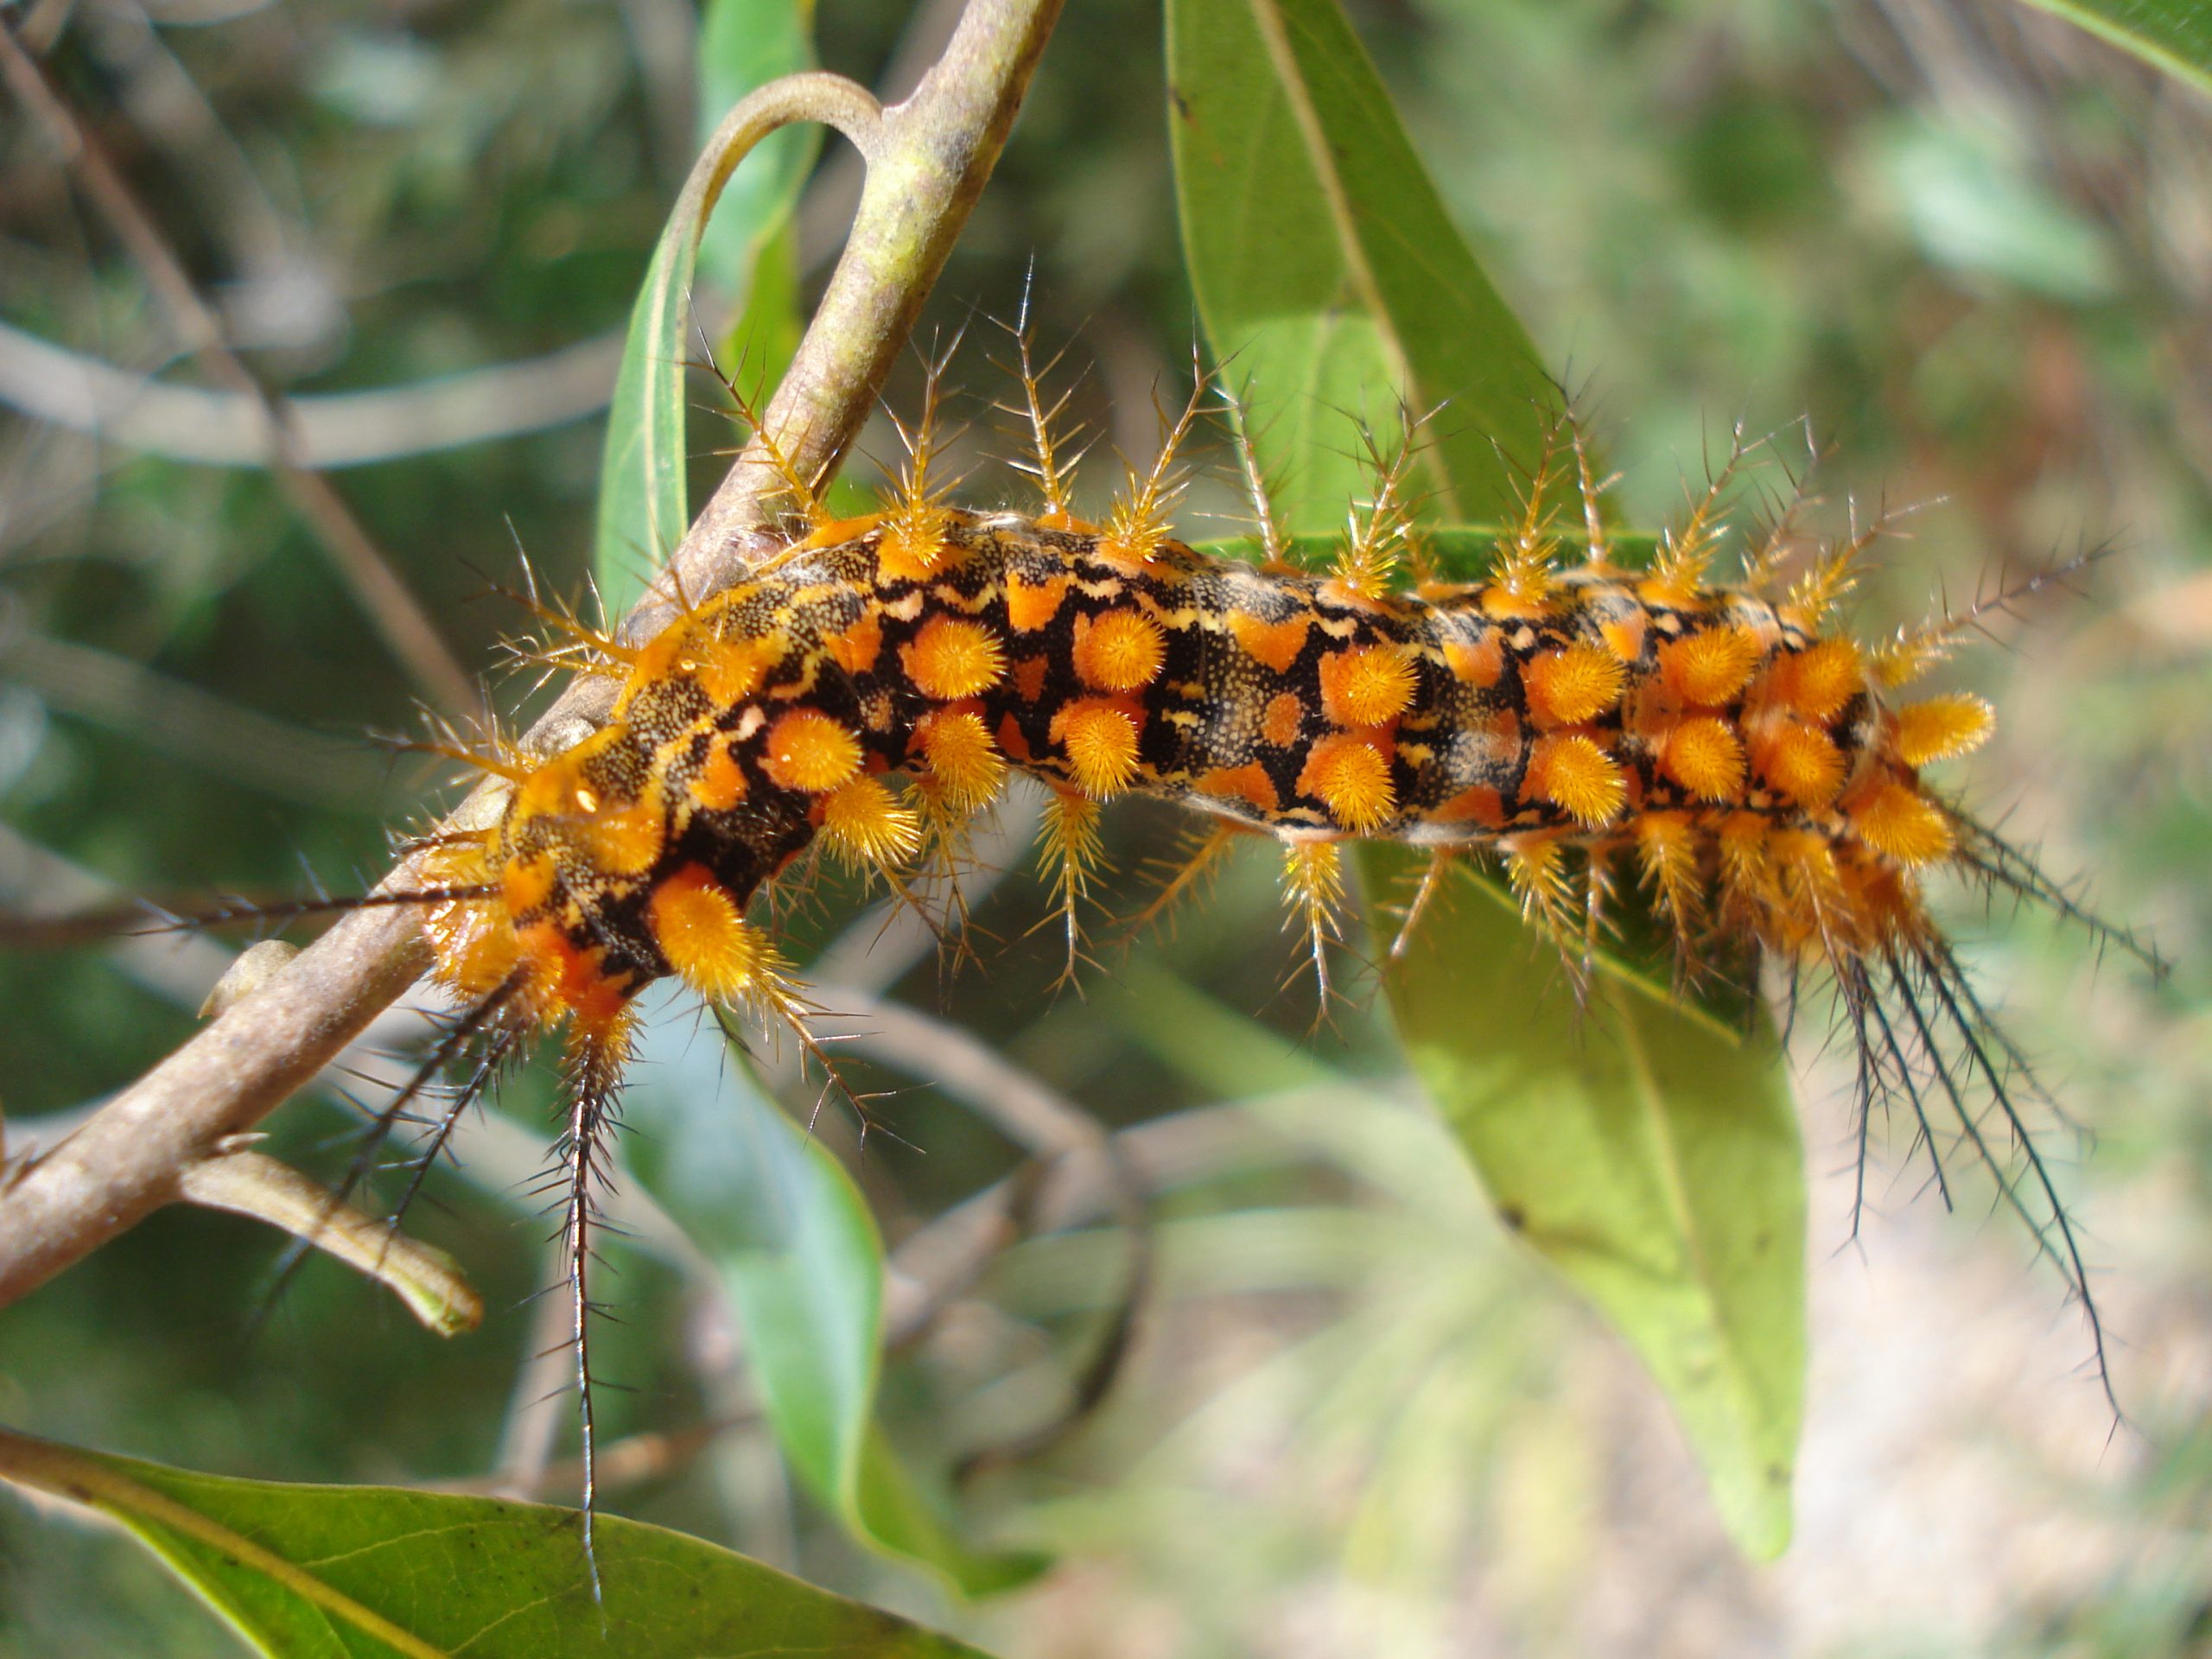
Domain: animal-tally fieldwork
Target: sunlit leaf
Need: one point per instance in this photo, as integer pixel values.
(644, 504)
(1326, 269)
(800, 1258)
(1653, 1144)
(365, 1572)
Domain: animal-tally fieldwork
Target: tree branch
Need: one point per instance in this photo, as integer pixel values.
(383, 598)
(928, 158)
(249, 1183)
(327, 430)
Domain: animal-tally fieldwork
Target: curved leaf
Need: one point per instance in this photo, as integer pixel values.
(365, 1572)
(1653, 1144)
(798, 1255)
(644, 503)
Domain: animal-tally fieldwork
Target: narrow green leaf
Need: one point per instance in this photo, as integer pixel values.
(1654, 1143)
(2175, 35)
(1650, 1154)
(368, 1572)
(744, 45)
(1327, 271)
(800, 1258)
(644, 504)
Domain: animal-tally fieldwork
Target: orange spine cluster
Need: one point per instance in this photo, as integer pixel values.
(1748, 759)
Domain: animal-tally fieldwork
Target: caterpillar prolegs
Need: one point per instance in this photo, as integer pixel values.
(1569, 718)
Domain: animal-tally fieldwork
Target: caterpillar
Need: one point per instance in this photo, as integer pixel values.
(1568, 717)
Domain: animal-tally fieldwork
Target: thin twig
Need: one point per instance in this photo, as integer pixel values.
(330, 430)
(932, 153)
(383, 598)
(1057, 1132)
(167, 104)
(937, 1263)
(1020, 1105)
(925, 173)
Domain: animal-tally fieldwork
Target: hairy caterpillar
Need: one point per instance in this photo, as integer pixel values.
(1725, 744)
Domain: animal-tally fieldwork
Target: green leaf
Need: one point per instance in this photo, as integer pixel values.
(751, 246)
(1650, 1152)
(744, 45)
(1653, 1143)
(799, 1257)
(644, 504)
(363, 1571)
(1327, 272)
(2175, 34)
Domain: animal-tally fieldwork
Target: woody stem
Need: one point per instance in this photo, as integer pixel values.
(928, 158)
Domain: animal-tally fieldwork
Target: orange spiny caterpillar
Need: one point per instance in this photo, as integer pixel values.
(870, 689)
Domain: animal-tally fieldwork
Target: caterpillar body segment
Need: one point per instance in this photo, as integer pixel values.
(1725, 749)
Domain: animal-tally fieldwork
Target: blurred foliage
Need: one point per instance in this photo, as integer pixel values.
(1972, 244)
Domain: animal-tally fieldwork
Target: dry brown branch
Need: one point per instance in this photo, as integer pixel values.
(928, 159)
(40, 888)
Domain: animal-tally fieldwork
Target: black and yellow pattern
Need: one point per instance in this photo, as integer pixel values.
(1741, 755)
